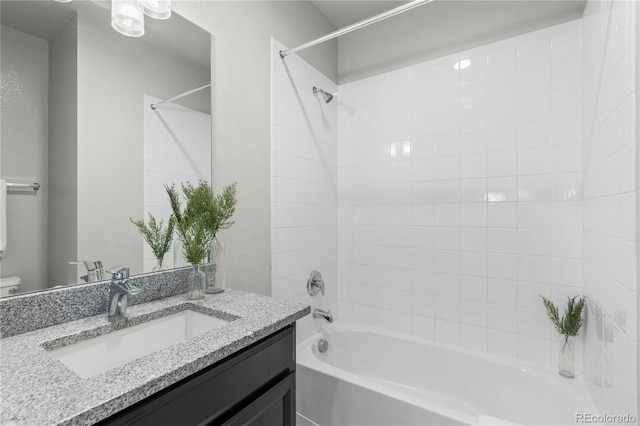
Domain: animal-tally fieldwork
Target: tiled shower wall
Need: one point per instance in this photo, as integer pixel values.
(469, 186)
(609, 198)
(460, 195)
(304, 212)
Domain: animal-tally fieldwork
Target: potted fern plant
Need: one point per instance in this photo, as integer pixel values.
(197, 225)
(192, 227)
(157, 236)
(568, 326)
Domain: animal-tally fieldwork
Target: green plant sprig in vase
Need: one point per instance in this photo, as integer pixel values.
(568, 326)
(192, 221)
(195, 226)
(219, 218)
(157, 236)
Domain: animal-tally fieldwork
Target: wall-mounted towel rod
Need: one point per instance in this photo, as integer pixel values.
(14, 185)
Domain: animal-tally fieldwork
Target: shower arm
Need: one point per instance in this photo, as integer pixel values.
(377, 18)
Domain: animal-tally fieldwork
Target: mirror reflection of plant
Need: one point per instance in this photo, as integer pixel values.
(195, 222)
(156, 234)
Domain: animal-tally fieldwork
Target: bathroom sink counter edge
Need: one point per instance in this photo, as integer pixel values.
(38, 389)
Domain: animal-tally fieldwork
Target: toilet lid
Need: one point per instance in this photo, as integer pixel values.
(9, 281)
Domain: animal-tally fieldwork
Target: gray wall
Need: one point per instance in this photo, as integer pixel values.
(441, 28)
(242, 114)
(63, 173)
(114, 72)
(24, 152)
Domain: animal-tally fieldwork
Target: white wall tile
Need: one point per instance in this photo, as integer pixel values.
(423, 327)
(473, 313)
(447, 332)
(502, 163)
(502, 343)
(534, 350)
(400, 322)
(502, 317)
(502, 240)
(472, 214)
(473, 338)
(502, 292)
(501, 189)
(502, 215)
(473, 288)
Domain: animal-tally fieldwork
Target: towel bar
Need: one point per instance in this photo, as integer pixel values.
(33, 186)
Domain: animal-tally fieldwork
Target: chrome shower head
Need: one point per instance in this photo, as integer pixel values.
(327, 96)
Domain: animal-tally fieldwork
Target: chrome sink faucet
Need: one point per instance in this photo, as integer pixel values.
(319, 313)
(119, 289)
(95, 271)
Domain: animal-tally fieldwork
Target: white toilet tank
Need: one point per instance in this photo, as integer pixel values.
(9, 286)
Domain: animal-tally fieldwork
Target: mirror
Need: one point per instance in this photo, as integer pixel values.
(76, 119)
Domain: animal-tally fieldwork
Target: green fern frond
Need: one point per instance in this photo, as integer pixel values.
(156, 234)
(203, 215)
(571, 322)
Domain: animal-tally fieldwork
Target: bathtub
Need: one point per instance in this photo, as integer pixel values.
(373, 377)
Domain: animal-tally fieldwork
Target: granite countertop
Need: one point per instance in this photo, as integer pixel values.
(36, 389)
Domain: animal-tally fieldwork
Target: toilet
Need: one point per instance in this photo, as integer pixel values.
(9, 286)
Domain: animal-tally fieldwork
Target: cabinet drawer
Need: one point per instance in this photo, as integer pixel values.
(218, 392)
(274, 407)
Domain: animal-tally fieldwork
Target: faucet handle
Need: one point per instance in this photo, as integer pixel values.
(119, 273)
(315, 283)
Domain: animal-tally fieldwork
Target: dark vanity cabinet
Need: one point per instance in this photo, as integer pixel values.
(255, 386)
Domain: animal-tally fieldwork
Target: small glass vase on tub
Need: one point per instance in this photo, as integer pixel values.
(568, 326)
(567, 361)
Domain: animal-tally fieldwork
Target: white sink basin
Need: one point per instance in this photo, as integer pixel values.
(94, 356)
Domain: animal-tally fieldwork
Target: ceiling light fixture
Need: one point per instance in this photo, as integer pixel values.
(127, 17)
(158, 9)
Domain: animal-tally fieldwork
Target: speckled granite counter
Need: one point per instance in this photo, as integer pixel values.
(36, 389)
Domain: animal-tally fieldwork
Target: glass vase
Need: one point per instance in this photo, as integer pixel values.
(159, 266)
(196, 282)
(567, 364)
(216, 270)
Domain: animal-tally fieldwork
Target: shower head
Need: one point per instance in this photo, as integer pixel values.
(327, 96)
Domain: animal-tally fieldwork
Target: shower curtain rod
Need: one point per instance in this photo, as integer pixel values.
(377, 18)
(181, 95)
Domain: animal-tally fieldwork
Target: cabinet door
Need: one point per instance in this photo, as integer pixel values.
(275, 407)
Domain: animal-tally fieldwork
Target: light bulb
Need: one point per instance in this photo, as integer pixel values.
(158, 9)
(127, 17)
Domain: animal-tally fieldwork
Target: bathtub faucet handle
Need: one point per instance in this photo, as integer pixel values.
(315, 283)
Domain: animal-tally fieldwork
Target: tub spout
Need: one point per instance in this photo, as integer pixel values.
(319, 313)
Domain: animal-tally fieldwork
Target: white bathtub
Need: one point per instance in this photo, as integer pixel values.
(371, 377)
